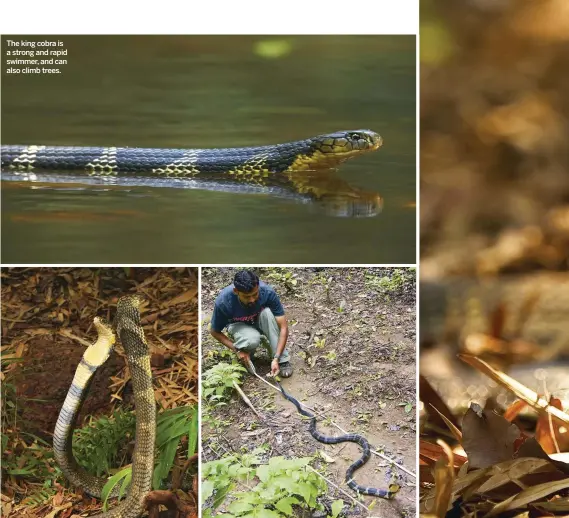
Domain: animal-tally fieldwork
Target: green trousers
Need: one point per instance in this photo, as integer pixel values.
(247, 337)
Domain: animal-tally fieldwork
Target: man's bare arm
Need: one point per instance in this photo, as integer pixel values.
(225, 340)
(283, 337)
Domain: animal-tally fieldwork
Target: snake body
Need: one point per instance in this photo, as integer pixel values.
(246, 164)
(131, 335)
(295, 170)
(351, 437)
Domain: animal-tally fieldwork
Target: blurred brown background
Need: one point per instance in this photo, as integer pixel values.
(494, 219)
(494, 136)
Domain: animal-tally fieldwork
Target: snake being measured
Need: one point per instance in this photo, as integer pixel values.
(351, 437)
(131, 335)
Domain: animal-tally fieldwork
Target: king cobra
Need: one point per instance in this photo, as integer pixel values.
(246, 164)
(131, 335)
(297, 171)
(350, 437)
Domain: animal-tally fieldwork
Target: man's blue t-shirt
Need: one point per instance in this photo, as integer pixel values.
(228, 308)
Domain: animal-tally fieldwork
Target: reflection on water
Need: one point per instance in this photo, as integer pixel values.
(323, 189)
(217, 92)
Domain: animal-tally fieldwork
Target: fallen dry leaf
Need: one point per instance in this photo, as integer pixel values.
(487, 438)
(183, 297)
(552, 435)
(56, 510)
(529, 495)
(457, 434)
(444, 478)
(327, 458)
(521, 391)
(531, 448)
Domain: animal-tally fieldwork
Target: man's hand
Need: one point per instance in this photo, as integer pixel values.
(275, 368)
(244, 357)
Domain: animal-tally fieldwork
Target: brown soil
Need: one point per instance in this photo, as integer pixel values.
(360, 379)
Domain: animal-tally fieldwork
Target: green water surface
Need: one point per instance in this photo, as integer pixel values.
(213, 91)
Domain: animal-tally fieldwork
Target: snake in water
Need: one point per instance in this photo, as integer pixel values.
(131, 335)
(246, 164)
(351, 437)
(297, 170)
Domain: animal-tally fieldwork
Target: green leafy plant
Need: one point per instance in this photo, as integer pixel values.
(172, 426)
(99, 446)
(395, 281)
(319, 342)
(337, 507)
(102, 444)
(217, 355)
(217, 382)
(284, 277)
(331, 355)
(29, 460)
(408, 406)
(273, 488)
(40, 496)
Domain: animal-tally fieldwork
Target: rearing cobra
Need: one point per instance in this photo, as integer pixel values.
(131, 335)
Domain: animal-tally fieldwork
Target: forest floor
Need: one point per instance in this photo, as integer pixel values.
(352, 345)
(47, 321)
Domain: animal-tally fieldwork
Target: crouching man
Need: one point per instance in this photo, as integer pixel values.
(249, 309)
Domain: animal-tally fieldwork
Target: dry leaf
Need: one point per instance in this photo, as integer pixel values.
(444, 478)
(521, 391)
(487, 438)
(183, 297)
(528, 496)
(326, 457)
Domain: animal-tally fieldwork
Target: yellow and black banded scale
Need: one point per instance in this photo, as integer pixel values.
(389, 493)
(94, 357)
(131, 335)
(246, 164)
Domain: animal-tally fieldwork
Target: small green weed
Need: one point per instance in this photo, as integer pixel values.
(272, 489)
(331, 355)
(100, 445)
(284, 277)
(396, 281)
(217, 382)
(319, 342)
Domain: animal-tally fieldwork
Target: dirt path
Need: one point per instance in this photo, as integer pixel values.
(353, 351)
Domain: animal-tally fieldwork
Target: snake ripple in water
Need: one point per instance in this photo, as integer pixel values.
(351, 437)
(246, 164)
(132, 338)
